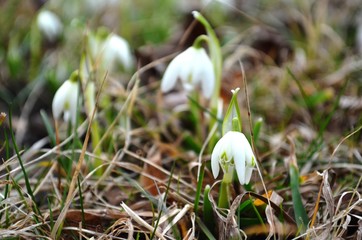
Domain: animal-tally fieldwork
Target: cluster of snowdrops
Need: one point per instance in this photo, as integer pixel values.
(195, 68)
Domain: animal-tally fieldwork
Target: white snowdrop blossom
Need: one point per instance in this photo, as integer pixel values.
(193, 66)
(233, 151)
(49, 25)
(116, 50)
(65, 100)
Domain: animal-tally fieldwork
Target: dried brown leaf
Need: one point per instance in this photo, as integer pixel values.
(146, 181)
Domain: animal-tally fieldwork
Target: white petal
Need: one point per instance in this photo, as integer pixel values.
(186, 63)
(121, 50)
(73, 101)
(236, 142)
(248, 172)
(66, 116)
(208, 79)
(215, 158)
(239, 159)
(49, 24)
(171, 75)
(196, 64)
(60, 99)
(249, 155)
(179, 67)
(204, 72)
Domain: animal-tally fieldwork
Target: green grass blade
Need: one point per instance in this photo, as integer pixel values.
(208, 213)
(164, 199)
(27, 183)
(256, 129)
(50, 214)
(81, 201)
(205, 229)
(7, 186)
(300, 214)
(48, 126)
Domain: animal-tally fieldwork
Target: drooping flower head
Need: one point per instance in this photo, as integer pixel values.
(116, 50)
(66, 98)
(110, 50)
(193, 67)
(49, 24)
(233, 151)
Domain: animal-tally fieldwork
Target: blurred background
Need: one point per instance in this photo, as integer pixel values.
(283, 45)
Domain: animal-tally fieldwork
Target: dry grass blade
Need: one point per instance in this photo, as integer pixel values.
(345, 138)
(72, 188)
(191, 232)
(142, 222)
(327, 194)
(339, 76)
(177, 218)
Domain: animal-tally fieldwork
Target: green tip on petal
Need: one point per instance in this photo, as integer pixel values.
(74, 76)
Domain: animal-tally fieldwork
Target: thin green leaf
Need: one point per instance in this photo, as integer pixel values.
(204, 229)
(233, 112)
(27, 182)
(208, 215)
(48, 126)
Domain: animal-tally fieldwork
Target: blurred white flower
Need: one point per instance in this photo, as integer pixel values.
(116, 50)
(49, 25)
(228, 2)
(233, 151)
(193, 66)
(65, 100)
(98, 6)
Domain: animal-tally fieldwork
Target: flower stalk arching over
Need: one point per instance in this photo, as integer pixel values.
(233, 151)
(216, 57)
(66, 98)
(193, 67)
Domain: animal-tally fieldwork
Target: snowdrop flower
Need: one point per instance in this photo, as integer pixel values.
(49, 24)
(193, 67)
(116, 50)
(233, 151)
(66, 98)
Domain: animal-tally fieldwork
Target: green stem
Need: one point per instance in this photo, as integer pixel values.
(197, 115)
(236, 125)
(216, 58)
(224, 194)
(97, 151)
(198, 41)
